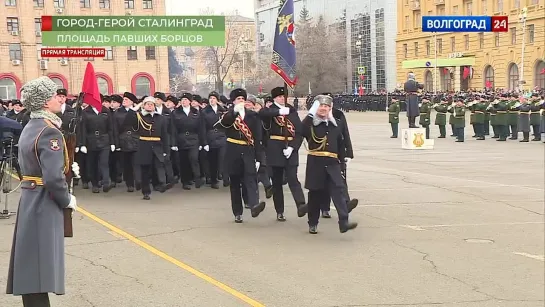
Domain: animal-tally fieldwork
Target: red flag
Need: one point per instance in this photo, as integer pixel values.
(260, 88)
(90, 88)
(466, 72)
(542, 71)
(488, 84)
(361, 91)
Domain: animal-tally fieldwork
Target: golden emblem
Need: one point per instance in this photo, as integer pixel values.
(418, 139)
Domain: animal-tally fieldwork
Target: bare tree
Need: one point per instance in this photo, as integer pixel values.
(180, 84)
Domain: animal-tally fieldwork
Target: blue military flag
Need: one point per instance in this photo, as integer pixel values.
(283, 61)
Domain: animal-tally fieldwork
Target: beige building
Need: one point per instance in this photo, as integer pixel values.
(473, 60)
(236, 61)
(141, 70)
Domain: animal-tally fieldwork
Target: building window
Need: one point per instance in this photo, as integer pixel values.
(446, 81)
(481, 40)
(439, 45)
(489, 77)
(39, 51)
(150, 53)
(132, 53)
(8, 90)
(13, 24)
(11, 3)
(406, 25)
(104, 4)
(38, 3)
(109, 53)
(499, 6)
(469, 8)
(58, 82)
(455, 10)
(441, 11)
(540, 75)
(129, 4)
(513, 82)
(428, 47)
(405, 51)
(517, 4)
(38, 25)
(531, 33)
(417, 19)
(103, 86)
(148, 4)
(416, 49)
(15, 52)
(453, 44)
(143, 86)
(496, 39)
(513, 36)
(484, 6)
(58, 3)
(466, 42)
(428, 81)
(248, 34)
(85, 4)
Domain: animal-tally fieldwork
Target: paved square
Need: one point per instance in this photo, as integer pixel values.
(459, 225)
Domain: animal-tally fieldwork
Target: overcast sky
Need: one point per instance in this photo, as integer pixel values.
(194, 7)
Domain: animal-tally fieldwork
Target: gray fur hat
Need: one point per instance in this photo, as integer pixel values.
(36, 93)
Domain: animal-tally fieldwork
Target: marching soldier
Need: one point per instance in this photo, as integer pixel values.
(479, 109)
(242, 155)
(523, 124)
(425, 114)
(493, 117)
(171, 104)
(153, 146)
(323, 170)
(284, 127)
(535, 107)
(393, 117)
(451, 119)
(97, 140)
(127, 141)
(471, 106)
(37, 264)
(190, 139)
(160, 99)
(502, 120)
(459, 112)
(215, 138)
(441, 117)
(484, 100)
(114, 163)
(512, 117)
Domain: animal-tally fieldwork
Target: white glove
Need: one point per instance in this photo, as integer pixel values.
(239, 108)
(314, 108)
(174, 148)
(112, 148)
(287, 152)
(200, 148)
(83, 149)
(72, 205)
(347, 160)
(164, 155)
(257, 165)
(77, 149)
(75, 169)
(206, 148)
(118, 149)
(284, 111)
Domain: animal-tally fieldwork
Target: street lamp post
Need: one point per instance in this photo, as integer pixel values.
(359, 49)
(522, 20)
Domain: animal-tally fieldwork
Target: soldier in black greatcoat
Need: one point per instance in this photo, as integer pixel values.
(323, 171)
(215, 138)
(127, 141)
(190, 139)
(411, 87)
(96, 139)
(153, 145)
(242, 157)
(284, 128)
(160, 100)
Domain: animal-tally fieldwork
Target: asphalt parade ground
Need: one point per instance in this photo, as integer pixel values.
(459, 225)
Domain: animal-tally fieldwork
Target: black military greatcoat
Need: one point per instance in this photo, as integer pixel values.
(67, 116)
(153, 136)
(189, 129)
(96, 130)
(215, 137)
(127, 138)
(343, 126)
(283, 131)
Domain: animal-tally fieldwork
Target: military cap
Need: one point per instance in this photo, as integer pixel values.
(117, 98)
(197, 98)
(214, 94)
(187, 96)
(62, 91)
(224, 99)
(148, 99)
(173, 98)
(16, 102)
(130, 96)
(205, 101)
(324, 99)
(107, 98)
(160, 95)
(252, 99)
(36, 93)
(277, 91)
(239, 92)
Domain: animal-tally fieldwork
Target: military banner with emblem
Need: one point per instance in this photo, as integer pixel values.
(283, 61)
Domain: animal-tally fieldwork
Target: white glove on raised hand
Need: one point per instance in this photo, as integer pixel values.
(77, 149)
(284, 111)
(239, 108)
(73, 204)
(200, 148)
(83, 149)
(206, 148)
(75, 169)
(257, 165)
(164, 155)
(112, 148)
(174, 148)
(287, 152)
(347, 160)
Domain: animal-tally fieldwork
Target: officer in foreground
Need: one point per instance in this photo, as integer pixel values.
(37, 254)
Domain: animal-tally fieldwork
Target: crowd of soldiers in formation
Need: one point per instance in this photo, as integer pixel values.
(155, 143)
(507, 113)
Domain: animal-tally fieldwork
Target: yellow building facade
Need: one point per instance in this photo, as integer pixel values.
(141, 70)
(467, 61)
